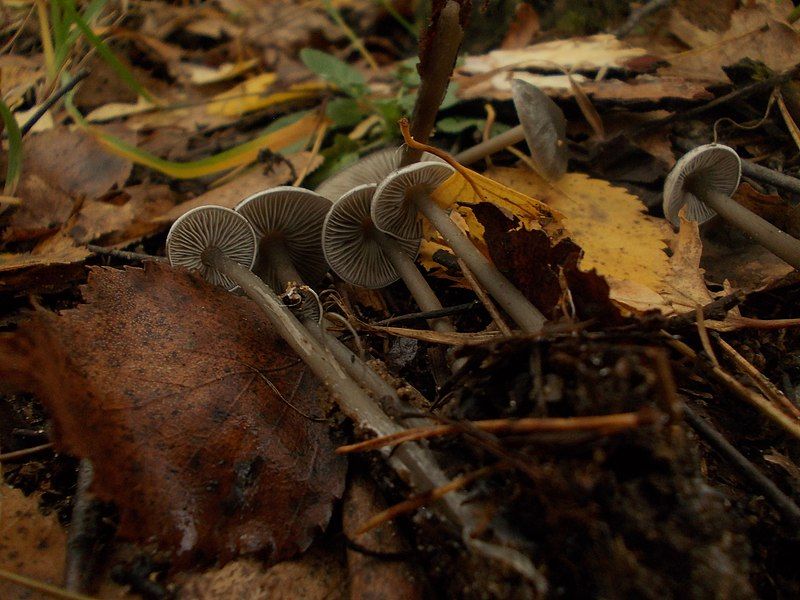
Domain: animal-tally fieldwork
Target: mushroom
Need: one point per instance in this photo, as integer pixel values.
(542, 125)
(362, 255)
(395, 207)
(212, 240)
(288, 222)
(704, 180)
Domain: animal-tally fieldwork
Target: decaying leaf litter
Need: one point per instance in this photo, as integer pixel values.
(644, 442)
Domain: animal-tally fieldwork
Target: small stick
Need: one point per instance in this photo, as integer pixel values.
(48, 104)
(485, 300)
(603, 423)
(751, 323)
(638, 15)
(764, 484)
(704, 339)
(17, 454)
(431, 314)
(83, 533)
(717, 309)
(422, 499)
(768, 388)
(41, 586)
(124, 254)
(743, 393)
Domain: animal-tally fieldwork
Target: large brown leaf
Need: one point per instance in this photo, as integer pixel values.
(169, 386)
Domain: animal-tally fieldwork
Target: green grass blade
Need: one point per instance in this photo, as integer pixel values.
(105, 52)
(14, 150)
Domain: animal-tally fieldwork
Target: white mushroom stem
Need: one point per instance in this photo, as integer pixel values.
(780, 243)
(491, 146)
(518, 307)
(415, 282)
(412, 462)
(274, 252)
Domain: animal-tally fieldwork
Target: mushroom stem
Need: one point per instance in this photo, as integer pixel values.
(518, 307)
(412, 462)
(419, 288)
(780, 243)
(279, 260)
(436, 65)
(491, 146)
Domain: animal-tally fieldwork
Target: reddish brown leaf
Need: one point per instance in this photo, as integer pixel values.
(535, 266)
(161, 380)
(44, 209)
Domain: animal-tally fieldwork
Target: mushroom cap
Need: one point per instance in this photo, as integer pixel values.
(207, 227)
(545, 129)
(714, 166)
(294, 216)
(391, 212)
(373, 168)
(352, 253)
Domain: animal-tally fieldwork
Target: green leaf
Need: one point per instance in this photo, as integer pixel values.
(335, 71)
(458, 124)
(14, 168)
(344, 112)
(450, 98)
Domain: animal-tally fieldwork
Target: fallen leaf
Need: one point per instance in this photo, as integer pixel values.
(203, 75)
(31, 544)
(51, 266)
(43, 210)
(523, 28)
(620, 241)
(181, 392)
(242, 186)
(74, 162)
(251, 95)
(316, 575)
(685, 287)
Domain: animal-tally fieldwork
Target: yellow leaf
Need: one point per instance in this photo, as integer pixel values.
(618, 238)
(251, 95)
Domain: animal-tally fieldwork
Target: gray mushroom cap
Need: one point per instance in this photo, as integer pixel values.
(373, 168)
(713, 167)
(293, 216)
(545, 129)
(208, 227)
(392, 212)
(350, 246)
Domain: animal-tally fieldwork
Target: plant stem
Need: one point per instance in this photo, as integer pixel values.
(780, 243)
(419, 288)
(518, 307)
(436, 65)
(491, 146)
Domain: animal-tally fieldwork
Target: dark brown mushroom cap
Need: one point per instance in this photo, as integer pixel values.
(712, 166)
(392, 212)
(293, 216)
(350, 246)
(208, 227)
(545, 129)
(373, 168)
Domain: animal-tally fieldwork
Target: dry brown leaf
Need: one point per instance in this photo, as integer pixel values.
(233, 192)
(43, 210)
(52, 265)
(31, 544)
(317, 575)
(685, 287)
(523, 28)
(181, 392)
(756, 31)
(72, 161)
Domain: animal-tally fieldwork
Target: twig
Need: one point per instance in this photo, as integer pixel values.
(751, 323)
(41, 586)
(25, 452)
(743, 92)
(124, 254)
(638, 15)
(768, 388)
(750, 396)
(48, 104)
(717, 309)
(485, 300)
(716, 440)
(438, 51)
(605, 424)
(426, 498)
(83, 533)
(702, 332)
(431, 314)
